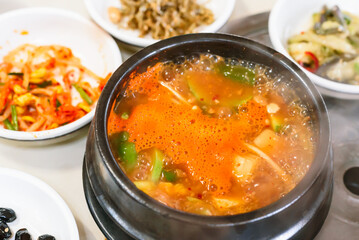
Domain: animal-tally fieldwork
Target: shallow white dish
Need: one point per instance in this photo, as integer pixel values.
(96, 48)
(222, 10)
(291, 17)
(37, 206)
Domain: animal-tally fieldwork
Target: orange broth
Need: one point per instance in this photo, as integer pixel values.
(200, 139)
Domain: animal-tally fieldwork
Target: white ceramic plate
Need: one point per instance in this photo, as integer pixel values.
(222, 10)
(290, 17)
(97, 50)
(38, 207)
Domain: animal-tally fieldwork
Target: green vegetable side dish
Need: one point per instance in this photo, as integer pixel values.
(330, 48)
(83, 94)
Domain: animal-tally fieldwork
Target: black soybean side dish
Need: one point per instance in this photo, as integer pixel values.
(22, 234)
(5, 231)
(8, 215)
(46, 237)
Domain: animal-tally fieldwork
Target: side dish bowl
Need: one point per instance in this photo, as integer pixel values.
(299, 214)
(222, 10)
(44, 211)
(289, 17)
(46, 26)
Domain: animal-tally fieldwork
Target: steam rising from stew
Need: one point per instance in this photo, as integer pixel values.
(210, 135)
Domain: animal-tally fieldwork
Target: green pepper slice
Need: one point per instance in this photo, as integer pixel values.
(118, 138)
(83, 94)
(15, 123)
(15, 74)
(128, 154)
(8, 124)
(44, 84)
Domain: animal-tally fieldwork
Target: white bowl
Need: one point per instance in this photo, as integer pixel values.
(289, 17)
(97, 50)
(222, 10)
(37, 206)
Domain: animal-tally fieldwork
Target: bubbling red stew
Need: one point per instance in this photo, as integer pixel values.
(210, 135)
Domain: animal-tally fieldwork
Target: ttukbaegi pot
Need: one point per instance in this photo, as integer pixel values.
(298, 215)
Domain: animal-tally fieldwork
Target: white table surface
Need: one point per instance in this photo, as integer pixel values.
(60, 165)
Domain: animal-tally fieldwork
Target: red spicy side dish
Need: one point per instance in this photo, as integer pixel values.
(44, 87)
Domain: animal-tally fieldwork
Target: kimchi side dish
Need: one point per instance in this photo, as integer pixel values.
(45, 87)
(210, 135)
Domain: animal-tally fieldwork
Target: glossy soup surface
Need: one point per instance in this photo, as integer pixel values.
(211, 136)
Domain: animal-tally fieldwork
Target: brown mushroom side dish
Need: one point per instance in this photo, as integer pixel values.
(160, 19)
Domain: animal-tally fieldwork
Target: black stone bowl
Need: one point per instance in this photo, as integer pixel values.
(120, 208)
